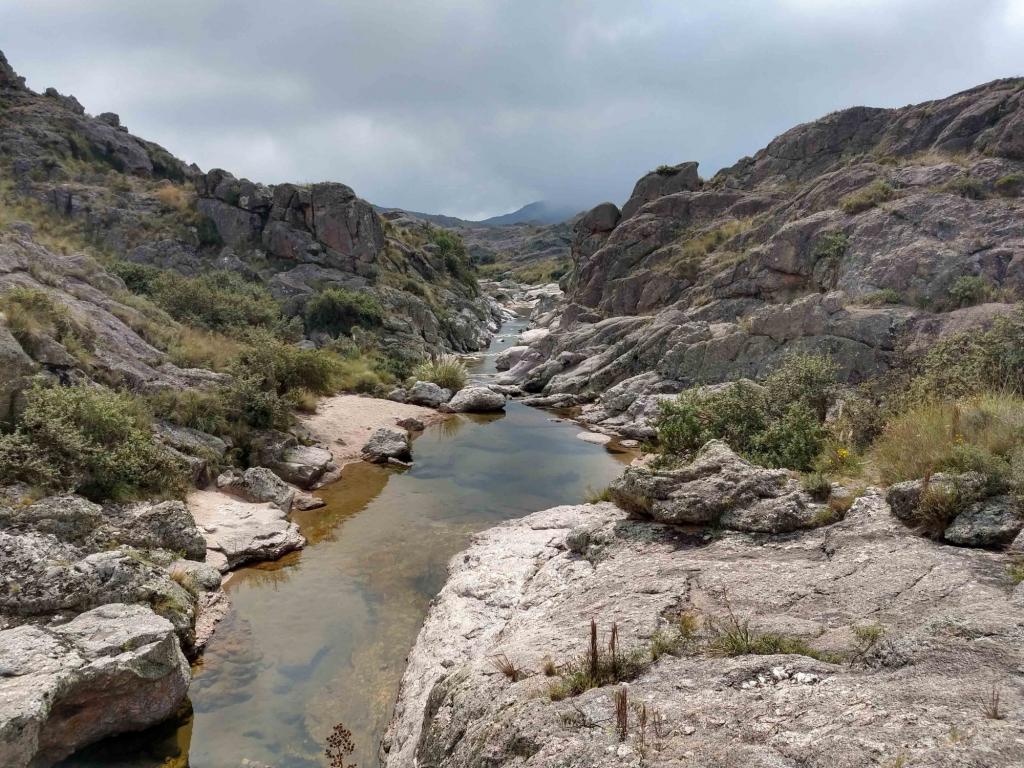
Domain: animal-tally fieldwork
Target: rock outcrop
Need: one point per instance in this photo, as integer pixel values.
(858, 235)
(111, 669)
(900, 640)
(718, 489)
(238, 532)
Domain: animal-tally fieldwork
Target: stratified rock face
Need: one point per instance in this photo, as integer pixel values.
(112, 669)
(950, 622)
(720, 489)
(705, 282)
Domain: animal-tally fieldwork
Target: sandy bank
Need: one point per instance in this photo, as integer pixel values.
(344, 422)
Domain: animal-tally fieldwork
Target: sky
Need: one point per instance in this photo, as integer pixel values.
(474, 108)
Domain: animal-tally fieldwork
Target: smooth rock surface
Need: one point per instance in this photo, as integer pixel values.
(387, 443)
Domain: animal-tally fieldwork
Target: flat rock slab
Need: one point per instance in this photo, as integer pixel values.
(113, 669)
(528, 589)
(593, 437)
(242, 532)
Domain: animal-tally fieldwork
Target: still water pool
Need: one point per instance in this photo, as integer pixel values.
(321, 636)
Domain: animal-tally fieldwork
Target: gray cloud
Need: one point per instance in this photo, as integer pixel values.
(474, 107)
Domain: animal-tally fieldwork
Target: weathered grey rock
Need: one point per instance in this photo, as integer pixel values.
(16, 368)
(387, 443)
(302, 465)
(398, 395)
(509, 357)
(717, 488)
(112, 669)
(475, 400)
(242, 532)
(428, 394)
(258, 484)
(992, 523)
(307, 501)
(411, 423)
(950, 630)
(664, 181)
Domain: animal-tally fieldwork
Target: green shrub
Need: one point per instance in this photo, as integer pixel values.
(456, 258)
(970, 290)
(218, 301)
(817, 484)
(91, 440)
(338, 310)
(880, 297)
(447, 371)
(804, 378)
(1010, 185)
(965, 186)
(972, 362)
(280, 367)
(865, 199)
(778, 425)
(194, 408)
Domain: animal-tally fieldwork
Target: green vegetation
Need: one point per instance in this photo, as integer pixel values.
(338, 310)
(90, 440)
(876, 193)
(881, 297)
(217, 301)
(532, 273)
(456, 258)
(965, 186)
(983, 433)
(970, 290)
(447, 371)
(33, 318)
(1010, 185)
(696, 248)
(778, 424)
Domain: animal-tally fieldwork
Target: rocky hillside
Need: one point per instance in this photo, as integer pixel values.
(128, 198)
(860, 235)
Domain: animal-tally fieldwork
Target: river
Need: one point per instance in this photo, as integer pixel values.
(320, 636)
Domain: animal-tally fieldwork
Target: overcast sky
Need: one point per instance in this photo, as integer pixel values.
(476, 107)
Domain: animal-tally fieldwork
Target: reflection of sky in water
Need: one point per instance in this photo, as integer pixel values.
(321, 636)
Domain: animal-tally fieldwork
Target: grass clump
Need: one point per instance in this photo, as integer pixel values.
(876, 193)
(33, 316)
(337, 311)
(447, 371)
(778, 424)
(90, 440)
(1010, 185)
(602, 664)
(982, 433)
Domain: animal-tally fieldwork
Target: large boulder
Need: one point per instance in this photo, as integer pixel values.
(509, 357)
(113, 669)
(475, 400)
(238, 532)
(667, 180)
(387, 443)
(719, 488)
(428, 394)
(258, 484)
(992, 523)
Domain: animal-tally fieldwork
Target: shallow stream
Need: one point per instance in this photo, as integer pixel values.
(321, 636)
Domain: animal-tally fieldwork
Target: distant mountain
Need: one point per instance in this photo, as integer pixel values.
(540, 212)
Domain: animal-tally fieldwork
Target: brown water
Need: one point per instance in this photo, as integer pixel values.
(321, 636)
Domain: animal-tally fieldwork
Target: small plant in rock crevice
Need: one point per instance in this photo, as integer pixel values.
(340, 745)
